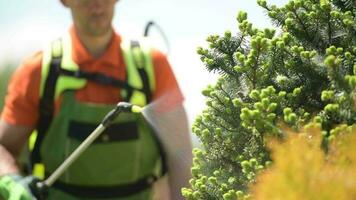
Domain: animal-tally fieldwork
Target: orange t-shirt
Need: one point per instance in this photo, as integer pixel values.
(22, 99)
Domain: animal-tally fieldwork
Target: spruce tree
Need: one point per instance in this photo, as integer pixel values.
(306, 73)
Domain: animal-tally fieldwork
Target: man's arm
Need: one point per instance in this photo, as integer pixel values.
(12, 140)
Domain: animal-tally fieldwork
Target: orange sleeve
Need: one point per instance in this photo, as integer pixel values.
(22, 98)
(167, 92)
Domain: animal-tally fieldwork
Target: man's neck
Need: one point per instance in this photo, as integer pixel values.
(96, 45)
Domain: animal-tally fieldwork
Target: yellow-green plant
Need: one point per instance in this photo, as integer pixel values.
(302, 170)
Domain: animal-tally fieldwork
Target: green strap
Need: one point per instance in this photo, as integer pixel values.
(138, 61)
(63, 82)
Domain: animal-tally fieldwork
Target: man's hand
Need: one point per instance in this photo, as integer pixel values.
(16, 187)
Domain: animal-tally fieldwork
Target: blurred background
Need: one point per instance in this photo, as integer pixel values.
(27, 25)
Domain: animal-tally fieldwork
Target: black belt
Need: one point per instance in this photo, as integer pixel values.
(112, 191)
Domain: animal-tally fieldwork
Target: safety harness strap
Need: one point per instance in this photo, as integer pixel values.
(139, 61)
(106, 191)
(46, 106)
(98, 78)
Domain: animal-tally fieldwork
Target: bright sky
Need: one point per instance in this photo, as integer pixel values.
(26, 25)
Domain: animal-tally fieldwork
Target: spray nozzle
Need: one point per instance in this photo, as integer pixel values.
(120, 107)
(128, 107)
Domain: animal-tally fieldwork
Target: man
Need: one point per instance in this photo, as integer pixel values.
(83, 65)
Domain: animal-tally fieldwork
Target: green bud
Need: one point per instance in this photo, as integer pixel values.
(239, 194)
(289, 22)
(206, 92)
(214, 94)
(348, 55)
(228, 196)
(259, 168)
(306, 115)
(207, 117)
(218, 131)
(268, 163)
(287, 111)
(272, 107)
(239, 69)
(339, 50)
(206, 133)
(281, 79)
(271, 117)
(265, 102)
(280, 44)
(204, 179)
(282, 94)
(312, 14)
(254, 94)
(292, 118)
(274, 41)
(269, 33)
(325, 5)
(200, 50)
(272, 14)
(347, 22)
(330, 61)
(317, 119)
(335, 14)
(348, 14)
(258, 105)
(264, 93)
(241, 58)
(351, 80)
(244, 116)
(208, 61)
(236, 102)
(217, 173)
(294, 49)
(262, 3)
(255, 114)
(331, 138)
(246, 165)
(327, 95)
(264, 43)
(254, 43)
(195, 171)
(271, 90)
(213, 180)
(331, 108)
(331, 50)
(187, 193)
(228, 34)
(224, 186)
(305, 54)
(231, 180)
(253, 162)
(297, 91)
(241, 16)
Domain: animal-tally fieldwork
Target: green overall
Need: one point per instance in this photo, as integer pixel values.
(122, 163)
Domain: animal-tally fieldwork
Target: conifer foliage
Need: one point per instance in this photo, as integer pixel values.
(306, 73)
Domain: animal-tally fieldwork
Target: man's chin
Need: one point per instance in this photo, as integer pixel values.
(99, 30)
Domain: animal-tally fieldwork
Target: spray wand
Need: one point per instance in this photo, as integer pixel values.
(40, 188)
